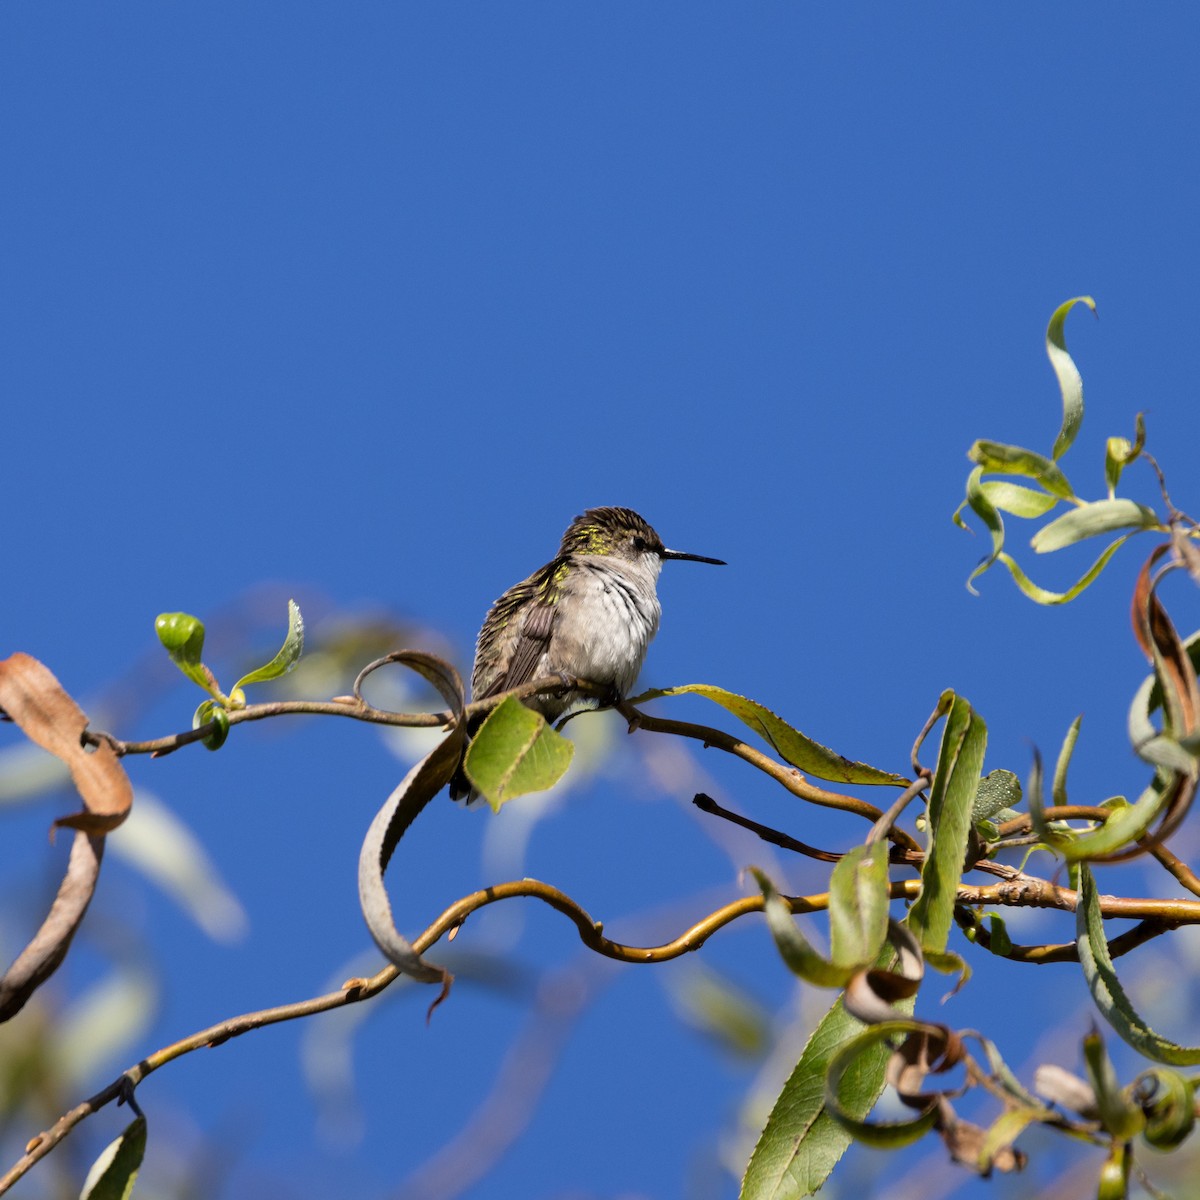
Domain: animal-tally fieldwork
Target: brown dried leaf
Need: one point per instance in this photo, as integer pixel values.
(966, 1142)
(36, 701)
(40, 959)
(933, 1050)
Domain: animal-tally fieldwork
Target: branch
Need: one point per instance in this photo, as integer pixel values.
(789, 777)
(353, 707)
(1022, 890)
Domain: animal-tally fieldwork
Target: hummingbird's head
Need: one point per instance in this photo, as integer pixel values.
(623, 533)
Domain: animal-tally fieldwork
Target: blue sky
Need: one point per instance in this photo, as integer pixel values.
(363, 305)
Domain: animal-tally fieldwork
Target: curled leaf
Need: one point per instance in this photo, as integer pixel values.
(393, 820)
(1092, 520)
(1070, 382)
(212, 712)
(41, 958)
(289, 652)
(888, 1135)
(1168, 1102)
(1016, 460)
(47, 715)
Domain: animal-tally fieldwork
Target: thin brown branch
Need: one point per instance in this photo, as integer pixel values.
(1059, 952)
(789, 777)
(1055, 812)
(1022, 890)
(706, 804)
(357, 710)
(1177, 868)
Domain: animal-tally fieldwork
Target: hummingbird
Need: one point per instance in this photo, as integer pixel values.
(590, 612)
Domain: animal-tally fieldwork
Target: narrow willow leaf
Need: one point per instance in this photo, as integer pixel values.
(858, 906)
(951, 796)
(183, 637)
(1020, 501)
(1069, 380)
(1042, 596)
(1059, 790)
(1118, 1114)
(993, 522)
(801, 957)
(515, 752)
(1106, 988)
(1129, 822)
(1092, 520)
(801, 1143)
(289, 652)
(113, 1174)
(789, 743)
(712, 1004)
(1003, 459)
(987, 512)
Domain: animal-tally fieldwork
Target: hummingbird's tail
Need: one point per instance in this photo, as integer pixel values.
(461, 789)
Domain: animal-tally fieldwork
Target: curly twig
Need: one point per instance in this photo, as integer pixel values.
(1157, 915)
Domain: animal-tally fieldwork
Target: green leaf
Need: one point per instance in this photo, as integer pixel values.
(1091, 520)
(801, 1143)
(715, 1006)
(1113, 1180)
(998, 790)
(210, 710)
(183, 637)
(1020, 501)
(1119, 452)
(801, 957)
(1003, 459)
(1059, 791)
(1106, 988)
(951, 798)
(289, 652)
(1069, 380)
(1168, 1102)
(1118, 1114)
(986, 511)
(858, 906)
(515, 752)
(113, 1174)
(998, 941)
(1041, 595)
(791, 745)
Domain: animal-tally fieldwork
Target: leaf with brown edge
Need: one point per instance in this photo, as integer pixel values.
(48, 716)
(398, 813)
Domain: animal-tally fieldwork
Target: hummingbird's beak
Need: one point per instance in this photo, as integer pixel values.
(679, 556)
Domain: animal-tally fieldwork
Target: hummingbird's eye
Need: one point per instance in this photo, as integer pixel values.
(639, 544)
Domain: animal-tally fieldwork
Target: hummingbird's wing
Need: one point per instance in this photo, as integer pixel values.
(517, 632)
(532, 643)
